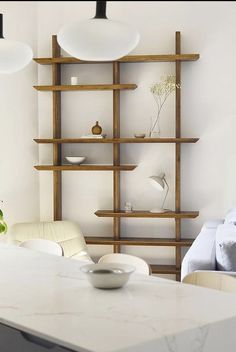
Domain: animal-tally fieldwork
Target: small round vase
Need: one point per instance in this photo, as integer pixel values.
(96, 129)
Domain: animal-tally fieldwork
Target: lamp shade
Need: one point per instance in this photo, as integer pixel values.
(14, 55)
(158, 182)
(98, 39)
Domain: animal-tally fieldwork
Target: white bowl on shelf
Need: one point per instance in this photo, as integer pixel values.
(139, 135)
(108, 275)
(77, 160)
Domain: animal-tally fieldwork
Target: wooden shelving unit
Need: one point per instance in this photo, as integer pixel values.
(117, 240)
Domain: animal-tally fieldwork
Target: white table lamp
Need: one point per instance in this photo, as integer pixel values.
(159, 182)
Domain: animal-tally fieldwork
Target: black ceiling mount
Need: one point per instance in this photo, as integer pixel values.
(1, 26)
(101, 9)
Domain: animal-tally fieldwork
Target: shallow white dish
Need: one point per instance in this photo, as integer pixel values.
(139, 135)
(108, 275)
(75, 159)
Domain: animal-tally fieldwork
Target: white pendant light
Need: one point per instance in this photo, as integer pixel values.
(14, 55)
(98, 39)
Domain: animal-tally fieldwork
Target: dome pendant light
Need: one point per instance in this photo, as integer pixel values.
(13, 55)
(98, 39)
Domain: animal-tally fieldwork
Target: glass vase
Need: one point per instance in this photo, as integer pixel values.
(155, 130)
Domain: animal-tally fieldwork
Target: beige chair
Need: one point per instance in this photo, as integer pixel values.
(141, 266)
(212, 279)
(46, 246)
(66, 233)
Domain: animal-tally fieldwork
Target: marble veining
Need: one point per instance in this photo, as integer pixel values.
(50, 297)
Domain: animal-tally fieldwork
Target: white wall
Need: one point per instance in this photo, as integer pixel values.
(18, 121)
(208, 112)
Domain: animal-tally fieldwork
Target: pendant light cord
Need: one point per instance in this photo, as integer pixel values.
(1, 26)
(101, 9)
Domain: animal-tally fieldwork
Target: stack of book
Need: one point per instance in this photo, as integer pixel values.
(94, 136)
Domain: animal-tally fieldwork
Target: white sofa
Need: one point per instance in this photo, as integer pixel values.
(202, 254)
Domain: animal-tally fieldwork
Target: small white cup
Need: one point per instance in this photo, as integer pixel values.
(74, 81)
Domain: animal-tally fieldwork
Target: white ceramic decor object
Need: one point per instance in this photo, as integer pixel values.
(74, 81)
(108, 275)
(139, 135)
(77, 160)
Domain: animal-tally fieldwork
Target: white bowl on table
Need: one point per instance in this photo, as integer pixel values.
(108, 275)
(75, 159)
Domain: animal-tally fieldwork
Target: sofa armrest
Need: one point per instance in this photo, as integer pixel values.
(201, 255)
(212, 224)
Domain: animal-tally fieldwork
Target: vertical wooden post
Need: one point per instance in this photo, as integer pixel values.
(116, 153)
(178, 153)
(56, 96)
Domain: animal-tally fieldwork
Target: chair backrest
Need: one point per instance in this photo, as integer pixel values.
(45, 246)
(141, 266)
(211, 279)
(66, 233)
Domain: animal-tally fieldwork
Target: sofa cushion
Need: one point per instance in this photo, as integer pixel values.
(226, 248)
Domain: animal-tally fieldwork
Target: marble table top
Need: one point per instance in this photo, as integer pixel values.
(49, 297)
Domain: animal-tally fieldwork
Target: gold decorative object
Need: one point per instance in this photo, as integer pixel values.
(96, 129)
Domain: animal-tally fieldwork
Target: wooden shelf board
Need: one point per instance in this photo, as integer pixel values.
(115, 140)
(147, 214)
(125, 59)
(164, 269)
(86, 87)
(136, 241)
(159, 58)
(85, 167)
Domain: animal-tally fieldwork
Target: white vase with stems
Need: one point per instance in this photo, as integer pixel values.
(161, 92)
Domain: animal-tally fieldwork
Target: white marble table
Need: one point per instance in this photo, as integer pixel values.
(48, 297)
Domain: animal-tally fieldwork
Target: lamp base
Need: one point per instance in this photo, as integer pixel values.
(158, 210)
